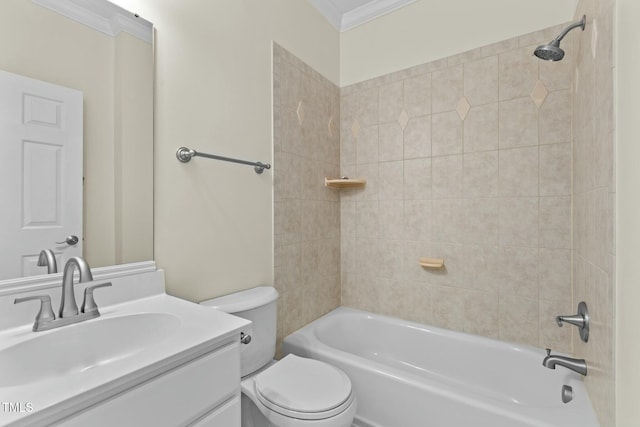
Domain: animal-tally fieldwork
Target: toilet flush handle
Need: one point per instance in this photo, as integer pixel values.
(245, 338)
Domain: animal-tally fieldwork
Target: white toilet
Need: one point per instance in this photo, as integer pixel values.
(292, 392)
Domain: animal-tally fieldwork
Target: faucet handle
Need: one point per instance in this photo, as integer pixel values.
(581, 320)
(548, 352)
(89, 303)
(45, 314)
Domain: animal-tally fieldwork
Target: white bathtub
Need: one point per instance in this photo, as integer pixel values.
(410, 375)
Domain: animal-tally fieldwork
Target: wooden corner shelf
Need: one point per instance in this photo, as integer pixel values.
(344, 182)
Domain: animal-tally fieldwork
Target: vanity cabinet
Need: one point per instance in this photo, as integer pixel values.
(204, 392)
(226, 415)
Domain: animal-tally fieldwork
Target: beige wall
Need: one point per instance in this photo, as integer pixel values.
(41, 44)
(133, 153)
(627, 341)
(306, 213)
(594, 195)
(431, 29)
(213, 220)
(467, 159)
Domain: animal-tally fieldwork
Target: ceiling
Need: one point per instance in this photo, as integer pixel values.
(347, 14)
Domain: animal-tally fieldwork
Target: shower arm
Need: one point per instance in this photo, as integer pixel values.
(580, 23)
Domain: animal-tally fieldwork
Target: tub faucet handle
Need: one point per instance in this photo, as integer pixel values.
(580, 320)
(576, 320)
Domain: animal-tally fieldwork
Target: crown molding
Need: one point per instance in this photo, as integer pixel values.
(102, 16)
(330, 12)
(358, 16)
(371, 11)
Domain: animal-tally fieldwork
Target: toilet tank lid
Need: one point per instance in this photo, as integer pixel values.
(243, 300)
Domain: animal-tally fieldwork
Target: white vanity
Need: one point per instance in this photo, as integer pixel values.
(149, 359)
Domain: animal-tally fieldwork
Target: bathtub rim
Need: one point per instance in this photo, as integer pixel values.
(440, 331)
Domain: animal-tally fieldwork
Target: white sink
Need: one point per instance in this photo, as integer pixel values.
(66, 370)
(83, 346)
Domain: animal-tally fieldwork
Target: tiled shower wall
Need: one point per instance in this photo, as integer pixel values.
(466, 159)
(594, 200)
(471, 159)
(306, 213)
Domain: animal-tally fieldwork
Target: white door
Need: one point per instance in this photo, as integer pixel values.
(40, 173)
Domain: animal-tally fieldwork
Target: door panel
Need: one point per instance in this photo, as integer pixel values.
(40, 173)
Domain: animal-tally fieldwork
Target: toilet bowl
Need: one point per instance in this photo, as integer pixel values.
(298, 392)
(294, 391)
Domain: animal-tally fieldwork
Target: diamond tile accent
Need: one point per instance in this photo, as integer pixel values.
(403, 119)
(539, 94)
(300, 113)
(463, 108)
(355, 128)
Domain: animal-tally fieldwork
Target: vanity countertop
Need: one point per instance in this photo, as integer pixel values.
(52, 374)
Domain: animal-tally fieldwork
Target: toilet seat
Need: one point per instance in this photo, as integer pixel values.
(304, 389)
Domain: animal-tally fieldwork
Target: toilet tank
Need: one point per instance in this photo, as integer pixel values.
(259, 306)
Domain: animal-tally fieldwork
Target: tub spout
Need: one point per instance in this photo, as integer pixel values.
(576, 365)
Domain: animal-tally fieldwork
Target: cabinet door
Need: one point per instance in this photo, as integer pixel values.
(176, 398)
(228, 415)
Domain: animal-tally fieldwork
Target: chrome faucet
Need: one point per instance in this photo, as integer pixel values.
(576, 365)
(48, 259)
(68, 306)
(68, 313)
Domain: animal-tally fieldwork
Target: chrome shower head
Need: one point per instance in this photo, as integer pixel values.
(552, 50)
